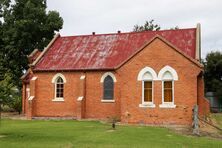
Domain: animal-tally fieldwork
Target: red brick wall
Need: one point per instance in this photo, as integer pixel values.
(94, 108)
(127, 90)
(45, 107)
(94, 94)
(157, 55)
(203, 103)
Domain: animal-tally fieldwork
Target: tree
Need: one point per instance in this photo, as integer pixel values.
(148, 26)
(26, 25)
(213, 73)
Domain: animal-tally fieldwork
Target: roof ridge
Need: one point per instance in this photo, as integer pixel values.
(116, 33)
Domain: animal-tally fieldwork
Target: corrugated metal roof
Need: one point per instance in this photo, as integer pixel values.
(106, 51)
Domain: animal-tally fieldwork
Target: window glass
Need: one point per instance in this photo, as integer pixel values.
(108, 86)
(59, 88)
(147, 91)
(168, 91)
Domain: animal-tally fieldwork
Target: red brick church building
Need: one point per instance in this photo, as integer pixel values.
(151, 77)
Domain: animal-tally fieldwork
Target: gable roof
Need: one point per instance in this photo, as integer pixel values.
(108, 51)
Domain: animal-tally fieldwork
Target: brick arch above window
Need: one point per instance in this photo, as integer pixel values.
(147, 73)
(57, 76)
(108, 74)
(167, 73)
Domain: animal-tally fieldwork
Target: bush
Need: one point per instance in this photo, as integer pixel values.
(17, 104)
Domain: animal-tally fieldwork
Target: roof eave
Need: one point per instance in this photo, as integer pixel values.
(67, 70)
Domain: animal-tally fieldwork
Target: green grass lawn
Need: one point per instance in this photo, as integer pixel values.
(46, 134)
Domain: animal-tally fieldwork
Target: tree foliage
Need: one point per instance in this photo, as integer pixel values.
(213, 73)
(24, 26)
(148, 26)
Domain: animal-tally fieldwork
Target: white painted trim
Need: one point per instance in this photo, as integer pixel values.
(28, 92)
(147, 103)
(31, 98)
(108, 101)
(34, 78)
(80, 98)
(198, 42)
(82, 77)
(58, 99)
(108, 74)
(167, 104)
(144, 70)
(58, 75)
(169, 69)
(54, 79)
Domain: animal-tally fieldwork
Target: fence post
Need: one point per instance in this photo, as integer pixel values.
(195, 120)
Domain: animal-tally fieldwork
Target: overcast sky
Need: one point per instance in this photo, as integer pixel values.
(109, 16)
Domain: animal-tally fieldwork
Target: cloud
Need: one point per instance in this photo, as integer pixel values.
(105, 16)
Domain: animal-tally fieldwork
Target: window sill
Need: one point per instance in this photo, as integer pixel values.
(167, 106)
(58, 100)
(149, 105)
(108, 101)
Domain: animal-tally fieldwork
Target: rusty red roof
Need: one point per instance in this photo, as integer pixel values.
(107, 51)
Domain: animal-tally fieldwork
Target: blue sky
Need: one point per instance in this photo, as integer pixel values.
(109, 16)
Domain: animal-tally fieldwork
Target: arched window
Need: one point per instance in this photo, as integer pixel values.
(108, 88)
(59, 87)
(168, 76)
(58, 80)
(147, 75)
(108, 79)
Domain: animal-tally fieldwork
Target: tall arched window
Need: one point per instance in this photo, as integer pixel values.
(168, 76)
(58, 80)
(147, 75)
(108, 88)
(59, 87)
(108, 79)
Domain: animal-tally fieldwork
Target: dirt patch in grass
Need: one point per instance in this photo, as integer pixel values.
(205, 130)
(208, 130)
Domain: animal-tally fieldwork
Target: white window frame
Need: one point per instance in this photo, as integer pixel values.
(28, 92)
(140, 78)
(167, 104)
(54, 81)
(173, 79)
(114, 81)
(144, 103)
